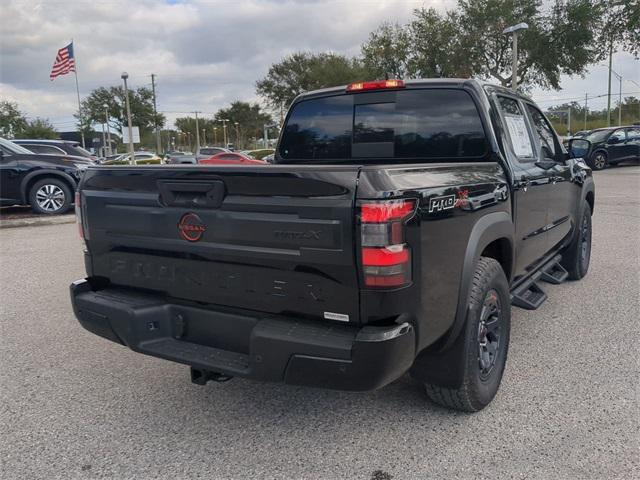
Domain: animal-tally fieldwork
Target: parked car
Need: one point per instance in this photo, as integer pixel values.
(613, 145)
(201, 154)
(230, 158)
(208, 152)
(56, 147)
(46, 182)
(112, 157)
(581, 133)
(400, 224)
(140, 158)
(269, 158)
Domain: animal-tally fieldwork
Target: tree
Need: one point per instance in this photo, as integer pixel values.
(12, 121)
(386, 54)
(186, 131)
(14, 124)
(39, 128)
(304, 71)
(618, 26)
(140, 101)
(250, 119)
(468, 41)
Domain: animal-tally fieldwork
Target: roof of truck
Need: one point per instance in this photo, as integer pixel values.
(457, 82)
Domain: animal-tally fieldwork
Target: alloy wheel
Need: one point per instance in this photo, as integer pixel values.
(585, 240)
(599, 161)
(50, 198)
(489, 334)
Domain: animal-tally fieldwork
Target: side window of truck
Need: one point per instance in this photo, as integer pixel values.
(517, 130)
(546, 135)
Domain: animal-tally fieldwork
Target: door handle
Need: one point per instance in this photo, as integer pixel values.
(192, 194)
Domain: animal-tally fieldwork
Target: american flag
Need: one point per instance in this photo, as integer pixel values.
(64, 63)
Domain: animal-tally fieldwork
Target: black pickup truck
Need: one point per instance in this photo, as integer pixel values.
(395, 229)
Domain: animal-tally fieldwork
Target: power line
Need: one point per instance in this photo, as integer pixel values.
(580, 98)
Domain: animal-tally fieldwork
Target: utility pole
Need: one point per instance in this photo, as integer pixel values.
(124, 77)
(620, 98)
(106, 119)
(155, 112)
(104, 142)
(637, 84)
(609, 91)
(586, 99)
(197, 134)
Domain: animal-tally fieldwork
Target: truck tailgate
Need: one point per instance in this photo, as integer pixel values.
(275, 239)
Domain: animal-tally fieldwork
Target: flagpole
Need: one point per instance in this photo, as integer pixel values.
(75, 71)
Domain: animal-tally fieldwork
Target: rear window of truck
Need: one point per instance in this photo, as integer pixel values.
(424, 124)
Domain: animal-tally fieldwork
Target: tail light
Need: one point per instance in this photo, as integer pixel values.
(79, 220)
(386, 258)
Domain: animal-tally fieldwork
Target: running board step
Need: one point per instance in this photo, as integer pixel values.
(529, 295)
(555, 274)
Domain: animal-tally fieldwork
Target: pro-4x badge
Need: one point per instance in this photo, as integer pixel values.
(437, 204)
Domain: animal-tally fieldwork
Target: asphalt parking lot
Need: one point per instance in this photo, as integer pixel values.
(73, 405)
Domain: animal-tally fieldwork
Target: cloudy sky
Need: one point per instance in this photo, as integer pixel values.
(205, 53)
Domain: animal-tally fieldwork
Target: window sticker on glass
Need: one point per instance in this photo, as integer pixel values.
(519, 136)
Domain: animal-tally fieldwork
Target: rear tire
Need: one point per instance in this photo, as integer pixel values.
(577, 257)
(598, 161)
(486, 341)
(50, 196)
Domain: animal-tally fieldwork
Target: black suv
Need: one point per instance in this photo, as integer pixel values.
(55, 147)
(610, 146)
(46, 182)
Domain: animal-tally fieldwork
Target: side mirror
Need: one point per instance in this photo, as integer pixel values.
(579, 148)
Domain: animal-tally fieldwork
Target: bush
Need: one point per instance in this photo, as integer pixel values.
(260, 154)
(149, 162)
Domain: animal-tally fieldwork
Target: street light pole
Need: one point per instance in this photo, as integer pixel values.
(609, 90)
(620, 97)
(197, 134)
(620, 102)
(224, 131)
(237, 135)
(215, 136)
(514, 66)
(586, 99)
(124, 77)
(104, 142)
(204, 136)
(106, 118)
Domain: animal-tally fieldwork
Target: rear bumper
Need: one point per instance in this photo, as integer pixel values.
(245, 343)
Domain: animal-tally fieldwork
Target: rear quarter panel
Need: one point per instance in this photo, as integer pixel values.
(452, 198)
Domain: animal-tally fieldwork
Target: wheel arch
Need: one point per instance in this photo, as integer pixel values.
(33, 177)
(494, 234)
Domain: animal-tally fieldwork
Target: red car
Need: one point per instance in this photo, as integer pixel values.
(226, 158)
